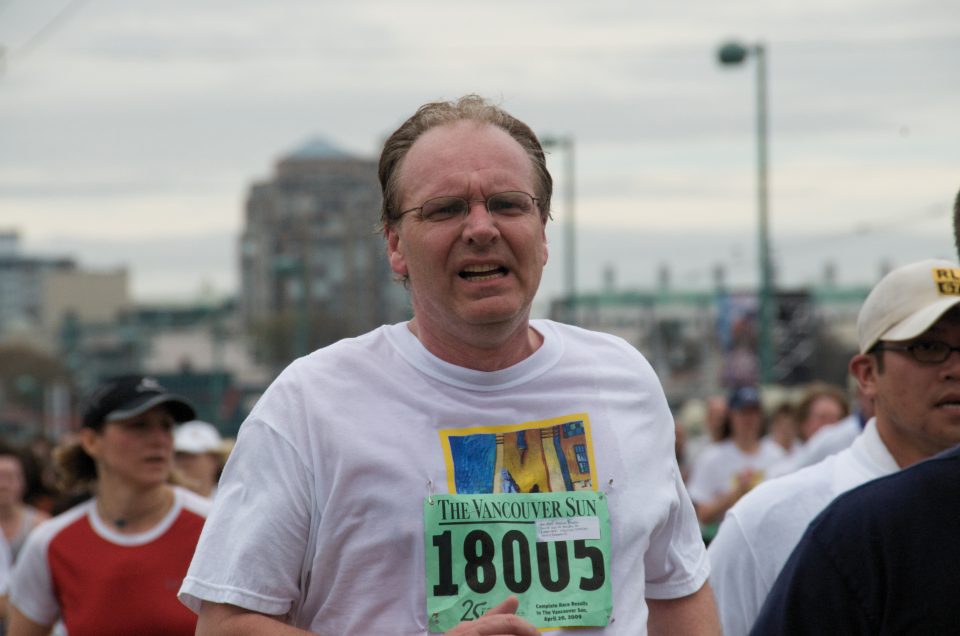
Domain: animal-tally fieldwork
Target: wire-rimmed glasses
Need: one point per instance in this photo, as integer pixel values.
(503, 205)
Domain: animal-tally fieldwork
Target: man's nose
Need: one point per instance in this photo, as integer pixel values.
(479, 226)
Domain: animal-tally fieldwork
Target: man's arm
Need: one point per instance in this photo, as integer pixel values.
(695, 615)
(220, 619)
(712, 511)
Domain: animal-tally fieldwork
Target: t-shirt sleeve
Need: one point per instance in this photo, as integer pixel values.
(31, 587)
(676, 562)
(253, 546)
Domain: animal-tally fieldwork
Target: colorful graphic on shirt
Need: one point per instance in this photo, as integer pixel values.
(754, 478)
(554, 455)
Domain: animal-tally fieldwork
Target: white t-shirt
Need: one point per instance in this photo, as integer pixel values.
(319, 513)
(761, 530)
(715, 471)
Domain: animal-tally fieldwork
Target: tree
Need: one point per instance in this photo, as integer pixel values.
(276, 340)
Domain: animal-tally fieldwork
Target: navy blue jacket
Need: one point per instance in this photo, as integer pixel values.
(883, 558)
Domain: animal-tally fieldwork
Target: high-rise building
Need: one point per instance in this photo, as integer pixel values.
(312, 258)
(90, 296)
(23, 279)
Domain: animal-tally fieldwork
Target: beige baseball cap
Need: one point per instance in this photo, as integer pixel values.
(196, 437)
(907, 301)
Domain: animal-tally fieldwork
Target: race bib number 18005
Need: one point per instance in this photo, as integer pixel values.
(551, 550)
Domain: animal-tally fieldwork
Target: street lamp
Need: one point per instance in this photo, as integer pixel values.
(734, 53)
(565, 143)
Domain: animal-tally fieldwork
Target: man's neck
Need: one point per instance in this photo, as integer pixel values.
(490, 350)
(904, 450)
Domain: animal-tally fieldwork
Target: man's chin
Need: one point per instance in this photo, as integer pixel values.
(491, 312)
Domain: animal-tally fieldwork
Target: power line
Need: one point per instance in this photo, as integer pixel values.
(739, 263)
(47, 30)
(865, 228)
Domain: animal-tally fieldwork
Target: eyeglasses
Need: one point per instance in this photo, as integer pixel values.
(923, 351)
(502, 205)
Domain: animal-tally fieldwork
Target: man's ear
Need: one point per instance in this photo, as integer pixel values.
(398, 262)
(863, 367)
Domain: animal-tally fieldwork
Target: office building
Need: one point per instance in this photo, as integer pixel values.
(312, 259)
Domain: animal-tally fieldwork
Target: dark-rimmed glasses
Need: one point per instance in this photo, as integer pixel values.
(504, 205)
(923, 351)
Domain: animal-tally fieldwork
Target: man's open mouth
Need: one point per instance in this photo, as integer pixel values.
(483, 272)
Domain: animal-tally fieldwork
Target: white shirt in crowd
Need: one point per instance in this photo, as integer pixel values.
(715, 470)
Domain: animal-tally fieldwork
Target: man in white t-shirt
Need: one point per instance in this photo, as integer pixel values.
(907, 328)
(470, 471)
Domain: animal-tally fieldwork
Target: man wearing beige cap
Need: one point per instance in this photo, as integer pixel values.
(909, 327)
(836, 582)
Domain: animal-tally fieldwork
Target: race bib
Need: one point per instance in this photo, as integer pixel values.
(551, 550)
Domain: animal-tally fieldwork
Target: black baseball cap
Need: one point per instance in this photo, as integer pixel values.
(744, 397)
(129, 396)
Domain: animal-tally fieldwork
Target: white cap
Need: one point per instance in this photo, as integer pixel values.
(196, 437)
(907, 301)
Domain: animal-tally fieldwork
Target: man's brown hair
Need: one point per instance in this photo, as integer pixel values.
(433, 114)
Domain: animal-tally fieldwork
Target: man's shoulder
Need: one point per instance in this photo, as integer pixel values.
(575, 334)
(192, 502)
(349, 346)
(785, 500)
(582, 347)
(328, 362)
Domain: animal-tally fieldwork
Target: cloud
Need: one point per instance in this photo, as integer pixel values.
(137, 119)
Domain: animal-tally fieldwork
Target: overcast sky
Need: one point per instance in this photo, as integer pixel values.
(130, 130)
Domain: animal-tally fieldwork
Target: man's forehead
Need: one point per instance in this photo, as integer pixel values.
(466, 145)
(950, 319)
